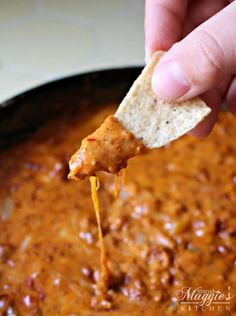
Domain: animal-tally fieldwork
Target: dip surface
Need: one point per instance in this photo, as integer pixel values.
(173, 225)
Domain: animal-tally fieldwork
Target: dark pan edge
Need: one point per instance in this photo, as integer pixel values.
(24, 113)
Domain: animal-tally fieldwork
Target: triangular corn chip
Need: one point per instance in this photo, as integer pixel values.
(151, 119)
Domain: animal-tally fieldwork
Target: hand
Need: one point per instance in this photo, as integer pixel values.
(200, 36)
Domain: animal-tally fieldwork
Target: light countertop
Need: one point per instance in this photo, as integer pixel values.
(42, 40)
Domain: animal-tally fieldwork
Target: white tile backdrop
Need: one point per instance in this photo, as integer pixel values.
(41, 40)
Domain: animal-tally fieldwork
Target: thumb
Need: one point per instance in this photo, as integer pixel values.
(198, 62)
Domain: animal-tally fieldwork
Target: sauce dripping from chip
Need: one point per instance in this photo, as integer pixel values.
(119, 177)
(123, 176)
(116, 186)
(105, 273)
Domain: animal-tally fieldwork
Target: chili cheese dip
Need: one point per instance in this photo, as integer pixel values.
(107, 149)
(173, 225)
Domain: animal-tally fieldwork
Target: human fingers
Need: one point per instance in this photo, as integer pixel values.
(198, 62)
(214, 99)
(163, 24)
(200, 11)
(231, 97)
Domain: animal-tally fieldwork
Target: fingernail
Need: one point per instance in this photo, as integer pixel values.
(169, 81)
(148, 55)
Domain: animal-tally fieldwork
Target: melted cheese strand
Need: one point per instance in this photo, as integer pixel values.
(116, 185)
(123, 176)
(94, 181)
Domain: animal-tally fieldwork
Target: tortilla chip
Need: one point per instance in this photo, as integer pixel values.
(153, 120)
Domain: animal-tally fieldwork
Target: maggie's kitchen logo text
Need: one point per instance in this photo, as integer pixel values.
(200, 299)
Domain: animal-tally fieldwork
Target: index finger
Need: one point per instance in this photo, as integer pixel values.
(163, 24)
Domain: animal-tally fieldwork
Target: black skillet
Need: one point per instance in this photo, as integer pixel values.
(24, 113)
